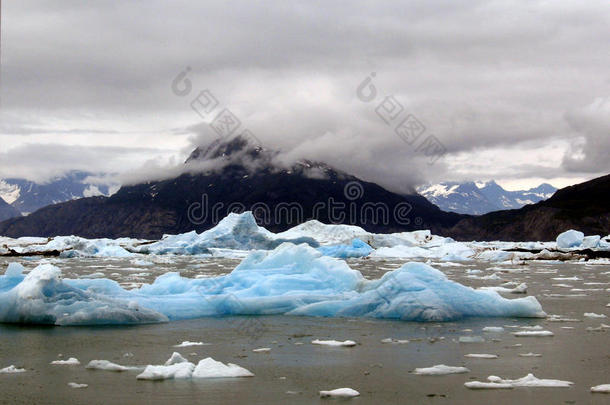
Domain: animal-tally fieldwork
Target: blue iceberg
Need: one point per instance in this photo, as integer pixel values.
(358, 248)
(291, 279)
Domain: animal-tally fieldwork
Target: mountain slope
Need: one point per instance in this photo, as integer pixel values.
(28, 196)
(469, 198)
(237, 177)
(7, 211)
(583, 207)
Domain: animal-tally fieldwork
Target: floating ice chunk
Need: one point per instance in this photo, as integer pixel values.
(593, 315)
(13, 270)
(570, 239)
(174, 371)
(534, 327)
(357, 249)
(534, 333)
(493, 329)
(530, 354)
(11, 370)
(262, 350)
(591, 242)
(471, 339)
(395, 341)
(531, 381)
(77, 385)
(478, 385)
(520, 289)
(42, 297)
(481, 356)
(340, 393)
(175, 359)
(187, 343)
(210, 368)
(440, 369)
(604, 388)
(72, 361)
(108, 366)
(235, 231)
(335, 343)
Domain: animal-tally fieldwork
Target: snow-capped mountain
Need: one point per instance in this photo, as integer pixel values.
(27, 196)
(478, 199)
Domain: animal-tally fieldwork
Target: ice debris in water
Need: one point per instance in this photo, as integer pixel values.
(604, 388)
(11, 370)
(235, 231)
(109, 366)
(187, 343)
(77, 385)
(72, 361)
(528, 381)
(340, 393)
(593, 315)
(335, 343)
(440, 369)
(291, 279)
(534, 333)
(481, 356)
(570, 239)
(177, 367)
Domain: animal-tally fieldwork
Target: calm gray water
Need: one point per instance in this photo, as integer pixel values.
(295, 370)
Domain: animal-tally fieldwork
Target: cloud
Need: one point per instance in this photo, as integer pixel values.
(503, 78)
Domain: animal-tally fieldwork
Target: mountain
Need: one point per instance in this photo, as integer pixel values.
(584, 207)
(469, 198)
(7, 211)
(235, 175)
(27, 196)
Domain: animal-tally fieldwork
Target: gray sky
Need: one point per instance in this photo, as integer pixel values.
(517, 91)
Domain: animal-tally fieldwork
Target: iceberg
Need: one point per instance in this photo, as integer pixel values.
(357, 249)
(291, 279)
(177, 367)
(235, 231)
(570, 239)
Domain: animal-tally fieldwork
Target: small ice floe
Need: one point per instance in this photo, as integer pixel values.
(600, 328)
(334, 343)
(262, 350)
(559, 318)
(77, 385)
(534, 333)
(593, 315)
(471, 339)
(108, 366)
(72, 361)
(187, 343)
(340, 393)
(93, 275)
(440, 369)
(206, 368)
(520, 289)
(535, 327)
(567, 327)
(394, 341)
(604, 388)
(11, 370)
(481, 356)
(574, 278)
(493, 329)
(530, 354)
(529, 380)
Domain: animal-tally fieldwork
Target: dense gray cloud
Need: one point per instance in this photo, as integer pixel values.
(501, 84)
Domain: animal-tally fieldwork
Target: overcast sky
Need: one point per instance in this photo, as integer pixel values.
(516, 91)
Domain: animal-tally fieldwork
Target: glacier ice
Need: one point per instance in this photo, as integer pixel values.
(340, 393)
(235, 231)
(357, 249)
(570, 239)
(177, 367)
(440, 369)
(291, 279)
